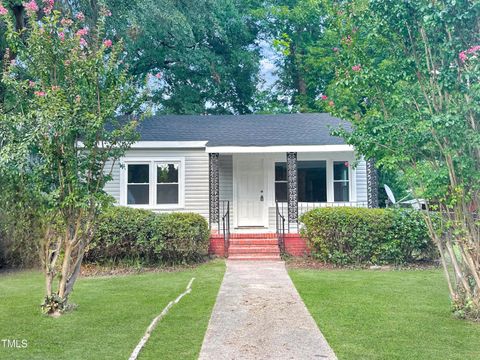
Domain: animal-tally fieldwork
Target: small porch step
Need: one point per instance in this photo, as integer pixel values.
(254, 257)
(239, 242)
(248, 246)
(253, 249)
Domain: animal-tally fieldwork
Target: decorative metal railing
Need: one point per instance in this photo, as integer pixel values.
(224, 224)
(280, 228)
(303, 207)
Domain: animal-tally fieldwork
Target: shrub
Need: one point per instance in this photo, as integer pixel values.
(345, 235)
(185, 237)
(20, 233)
(133, 235)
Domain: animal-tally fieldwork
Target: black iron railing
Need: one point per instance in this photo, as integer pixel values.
(280, 227)
(224, 224)
(303, 207)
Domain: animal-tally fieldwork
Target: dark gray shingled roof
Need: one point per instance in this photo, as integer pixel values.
(244, 130)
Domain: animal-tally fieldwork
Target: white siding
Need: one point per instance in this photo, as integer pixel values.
(361, 177)
(196, 176)
(113, 187)
(197, 182)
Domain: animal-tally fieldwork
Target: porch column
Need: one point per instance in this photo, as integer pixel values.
(292, 187)
(214, 188)
(372, 184)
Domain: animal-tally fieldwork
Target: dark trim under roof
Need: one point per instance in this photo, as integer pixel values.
(244, 130)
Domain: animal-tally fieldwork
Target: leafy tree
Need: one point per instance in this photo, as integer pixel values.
(408, 78)
(298, 30)
(204, 55)
(62, 132)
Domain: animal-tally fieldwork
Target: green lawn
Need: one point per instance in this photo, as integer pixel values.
(386, 315)
(112, 315)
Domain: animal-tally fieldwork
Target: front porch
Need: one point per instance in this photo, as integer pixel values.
(259, 194)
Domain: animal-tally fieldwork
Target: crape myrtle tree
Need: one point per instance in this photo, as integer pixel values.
(408, 78)
(60, 130)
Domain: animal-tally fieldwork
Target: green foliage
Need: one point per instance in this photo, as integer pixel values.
(344, 235)
(20, 234)
(408, 80)
(296, 29)
(141, 236)
(185, 237)
(61, 129)
(204, 53)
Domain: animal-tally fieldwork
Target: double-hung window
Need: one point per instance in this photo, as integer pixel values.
(138, 184)
(155, 184)
(281, 181)
(341, 182)
(167, 183)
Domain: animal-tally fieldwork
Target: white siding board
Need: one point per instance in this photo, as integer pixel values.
(361, 177)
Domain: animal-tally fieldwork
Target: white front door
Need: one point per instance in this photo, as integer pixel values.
(250, 180)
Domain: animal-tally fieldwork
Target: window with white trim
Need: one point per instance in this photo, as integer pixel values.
(167, 183)
(154, 183)
(311, 177)
(281, 181)
(138, 184)
(341, 181)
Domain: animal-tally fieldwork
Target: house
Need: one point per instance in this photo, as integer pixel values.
(251, 176)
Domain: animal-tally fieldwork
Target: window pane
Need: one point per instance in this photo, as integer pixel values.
(281, 191)
(167, 173)
(340, 191)
(340, 170)
(280, 171)
(312, 181)
(137, 194)
(138, 174)
(167, 194)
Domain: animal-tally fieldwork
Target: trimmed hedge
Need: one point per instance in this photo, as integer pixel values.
(133, 235)
(347, 235)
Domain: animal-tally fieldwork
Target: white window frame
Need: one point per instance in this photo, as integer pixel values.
(152, 162)
(342, 181)
(330, 159)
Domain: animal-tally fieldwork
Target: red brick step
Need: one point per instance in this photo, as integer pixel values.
(248, 246)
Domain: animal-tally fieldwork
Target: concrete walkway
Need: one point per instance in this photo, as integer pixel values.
(259, 315)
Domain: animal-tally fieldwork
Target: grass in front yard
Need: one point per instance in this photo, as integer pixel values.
(112, 315)
(386, 315)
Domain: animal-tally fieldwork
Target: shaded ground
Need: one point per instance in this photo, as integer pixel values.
(366, 314)
(259, 315)
(310, 263)
(112, 315)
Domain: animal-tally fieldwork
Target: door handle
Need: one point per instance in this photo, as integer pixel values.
(261, 197)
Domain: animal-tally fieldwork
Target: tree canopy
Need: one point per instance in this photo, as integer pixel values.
(203, 57)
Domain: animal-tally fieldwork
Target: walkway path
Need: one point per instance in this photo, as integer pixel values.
(259, 315)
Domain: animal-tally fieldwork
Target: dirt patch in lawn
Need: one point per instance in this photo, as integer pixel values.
(94, 270)
(310, 263)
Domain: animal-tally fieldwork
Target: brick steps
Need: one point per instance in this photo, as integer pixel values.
(253, 247)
